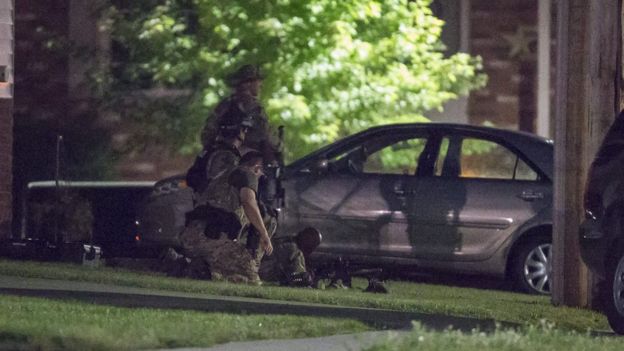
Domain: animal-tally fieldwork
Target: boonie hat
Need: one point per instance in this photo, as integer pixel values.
(244, 74)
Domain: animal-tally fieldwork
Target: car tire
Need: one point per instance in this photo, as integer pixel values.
(612, 295)
(531, 266)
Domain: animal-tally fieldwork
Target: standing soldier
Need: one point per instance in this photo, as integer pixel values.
(246, 82)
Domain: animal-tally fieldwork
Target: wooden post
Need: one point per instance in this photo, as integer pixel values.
(588, 40)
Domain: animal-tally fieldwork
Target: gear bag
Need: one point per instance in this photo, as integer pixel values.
(196, 177)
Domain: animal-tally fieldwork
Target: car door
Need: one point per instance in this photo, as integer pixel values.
(481, 191)
(357, 201)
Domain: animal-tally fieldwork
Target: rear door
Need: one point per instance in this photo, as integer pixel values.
(481, 191)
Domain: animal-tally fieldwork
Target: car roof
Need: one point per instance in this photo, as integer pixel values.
(537, 149)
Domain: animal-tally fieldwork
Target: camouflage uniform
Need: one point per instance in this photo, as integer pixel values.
(287, 261)
(223, 192)
(222, 161)
(226, 259)
(251, 239)
(248, 235)
(260, 137)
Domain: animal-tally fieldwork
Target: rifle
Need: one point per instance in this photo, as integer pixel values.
(339, 272)
(279, 190)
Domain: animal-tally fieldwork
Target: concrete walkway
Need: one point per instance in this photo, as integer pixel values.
(140, 297)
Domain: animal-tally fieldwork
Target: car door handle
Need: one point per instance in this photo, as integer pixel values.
(400, 192)
(529, 195)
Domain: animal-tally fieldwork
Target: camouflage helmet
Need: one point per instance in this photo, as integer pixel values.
(308, 240)
(245, 73)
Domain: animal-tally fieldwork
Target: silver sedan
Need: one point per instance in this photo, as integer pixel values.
(446, 197)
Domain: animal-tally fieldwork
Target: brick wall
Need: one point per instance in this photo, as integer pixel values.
(504, 34)
(41, 70)
(47, 83)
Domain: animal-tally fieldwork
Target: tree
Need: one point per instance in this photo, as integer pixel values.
(333, 66)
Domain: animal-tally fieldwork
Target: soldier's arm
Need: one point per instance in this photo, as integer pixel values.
(252, 212)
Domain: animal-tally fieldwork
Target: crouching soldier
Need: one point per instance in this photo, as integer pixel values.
(288, 263)
(213, 229)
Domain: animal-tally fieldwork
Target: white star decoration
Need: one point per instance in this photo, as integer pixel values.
(520, 42)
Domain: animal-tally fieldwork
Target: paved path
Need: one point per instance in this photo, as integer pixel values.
(141, 297)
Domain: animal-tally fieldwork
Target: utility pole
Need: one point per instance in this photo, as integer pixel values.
(588, 48)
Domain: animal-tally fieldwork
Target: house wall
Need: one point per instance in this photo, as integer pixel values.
(504, 34)
(41, 83)
(51, 84)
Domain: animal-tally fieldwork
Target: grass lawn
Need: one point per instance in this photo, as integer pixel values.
(403, 296)
(542, 337)
(40, 324)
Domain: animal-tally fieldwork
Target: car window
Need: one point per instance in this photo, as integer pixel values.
(525, 172)
(400, 157)
(487, 159)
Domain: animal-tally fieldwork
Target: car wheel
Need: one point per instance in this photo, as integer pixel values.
(531, 269)
(613, 294)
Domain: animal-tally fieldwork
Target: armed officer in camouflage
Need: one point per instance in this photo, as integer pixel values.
(246, 83)
(222, 156)
(226, 205)
(287, 265)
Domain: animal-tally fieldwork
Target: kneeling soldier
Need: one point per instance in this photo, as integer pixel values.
(288, 263)
(230, 204)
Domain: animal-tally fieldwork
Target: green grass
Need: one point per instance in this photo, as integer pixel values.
(403, 296)
(541, 337)
(40, 324)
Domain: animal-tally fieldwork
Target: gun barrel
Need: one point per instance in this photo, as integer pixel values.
(367, 272)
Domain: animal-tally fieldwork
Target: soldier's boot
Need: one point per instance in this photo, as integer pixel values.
(376, 286)
(337, 284)
(198, 269)
(173, 263)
